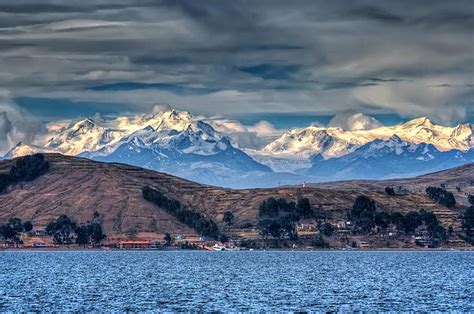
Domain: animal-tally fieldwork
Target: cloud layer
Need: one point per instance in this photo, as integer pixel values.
(220, 57)
(16, 125)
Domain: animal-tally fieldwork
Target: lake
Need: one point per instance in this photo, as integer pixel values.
(236, 281)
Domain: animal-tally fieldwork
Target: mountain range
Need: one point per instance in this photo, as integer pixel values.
(179, 143)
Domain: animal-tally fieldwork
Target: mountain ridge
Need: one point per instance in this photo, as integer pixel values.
(179, 143)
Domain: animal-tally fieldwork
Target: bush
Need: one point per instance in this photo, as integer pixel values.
(168, 239)
(390, 191)
(228, 218)
(27, 226)
(441, 196)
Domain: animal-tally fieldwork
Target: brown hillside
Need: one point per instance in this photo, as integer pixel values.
(78, 187)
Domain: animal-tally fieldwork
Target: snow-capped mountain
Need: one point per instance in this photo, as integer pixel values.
(387, 158)
(181, 144)
(170, 141)
(22, 149)
(335, 142)
(192, 150)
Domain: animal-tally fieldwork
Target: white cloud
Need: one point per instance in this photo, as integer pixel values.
(353, 121)
(16, 125)
(254, 136)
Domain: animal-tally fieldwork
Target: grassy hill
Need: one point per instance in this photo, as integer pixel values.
(78, 187)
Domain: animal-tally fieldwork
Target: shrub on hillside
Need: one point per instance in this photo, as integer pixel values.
(441, 196)
(390, 191)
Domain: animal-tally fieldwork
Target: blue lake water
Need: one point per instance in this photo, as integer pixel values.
(236, 281)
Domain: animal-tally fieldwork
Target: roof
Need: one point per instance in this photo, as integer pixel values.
(134, 242)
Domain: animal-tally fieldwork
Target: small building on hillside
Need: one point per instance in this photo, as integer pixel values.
(40, 232)
(134, 245)
(39, 244)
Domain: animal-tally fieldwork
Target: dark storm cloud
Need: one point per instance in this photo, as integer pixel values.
(410, 57)
(37, 7)
(272, 71)
(377, 13)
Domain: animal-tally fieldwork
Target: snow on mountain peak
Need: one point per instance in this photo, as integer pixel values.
(335, 142)
(22, 149)
(419, 122)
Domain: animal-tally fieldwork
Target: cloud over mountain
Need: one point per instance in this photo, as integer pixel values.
(16, 125)
(353, 121)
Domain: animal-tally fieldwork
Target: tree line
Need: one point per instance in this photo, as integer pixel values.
(65, 230)
(365, 216)
(204, 226)
(26, 168)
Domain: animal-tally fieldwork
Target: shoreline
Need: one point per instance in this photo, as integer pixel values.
(77, 249)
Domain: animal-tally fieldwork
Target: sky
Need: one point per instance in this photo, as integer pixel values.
(287, 62)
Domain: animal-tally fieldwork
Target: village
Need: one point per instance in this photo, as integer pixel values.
(339, 237)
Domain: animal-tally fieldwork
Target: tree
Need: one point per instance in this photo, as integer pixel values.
(16, 224)
(168, 239)
(468, 224)
(223, 238)
(326, 229)
(203, 225)
(411, 221)
(278, 217)
(96, 233)
(303, 207)
(7, 232)
(470, 199)
(4, 182)
(62, 229)
(12, 229)
(441, 196)
(390, 191)
(90, 233)
(26, 168)
(27, 226)
(228, 218)
(82, 235)
(363, 213)
(382, 219)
